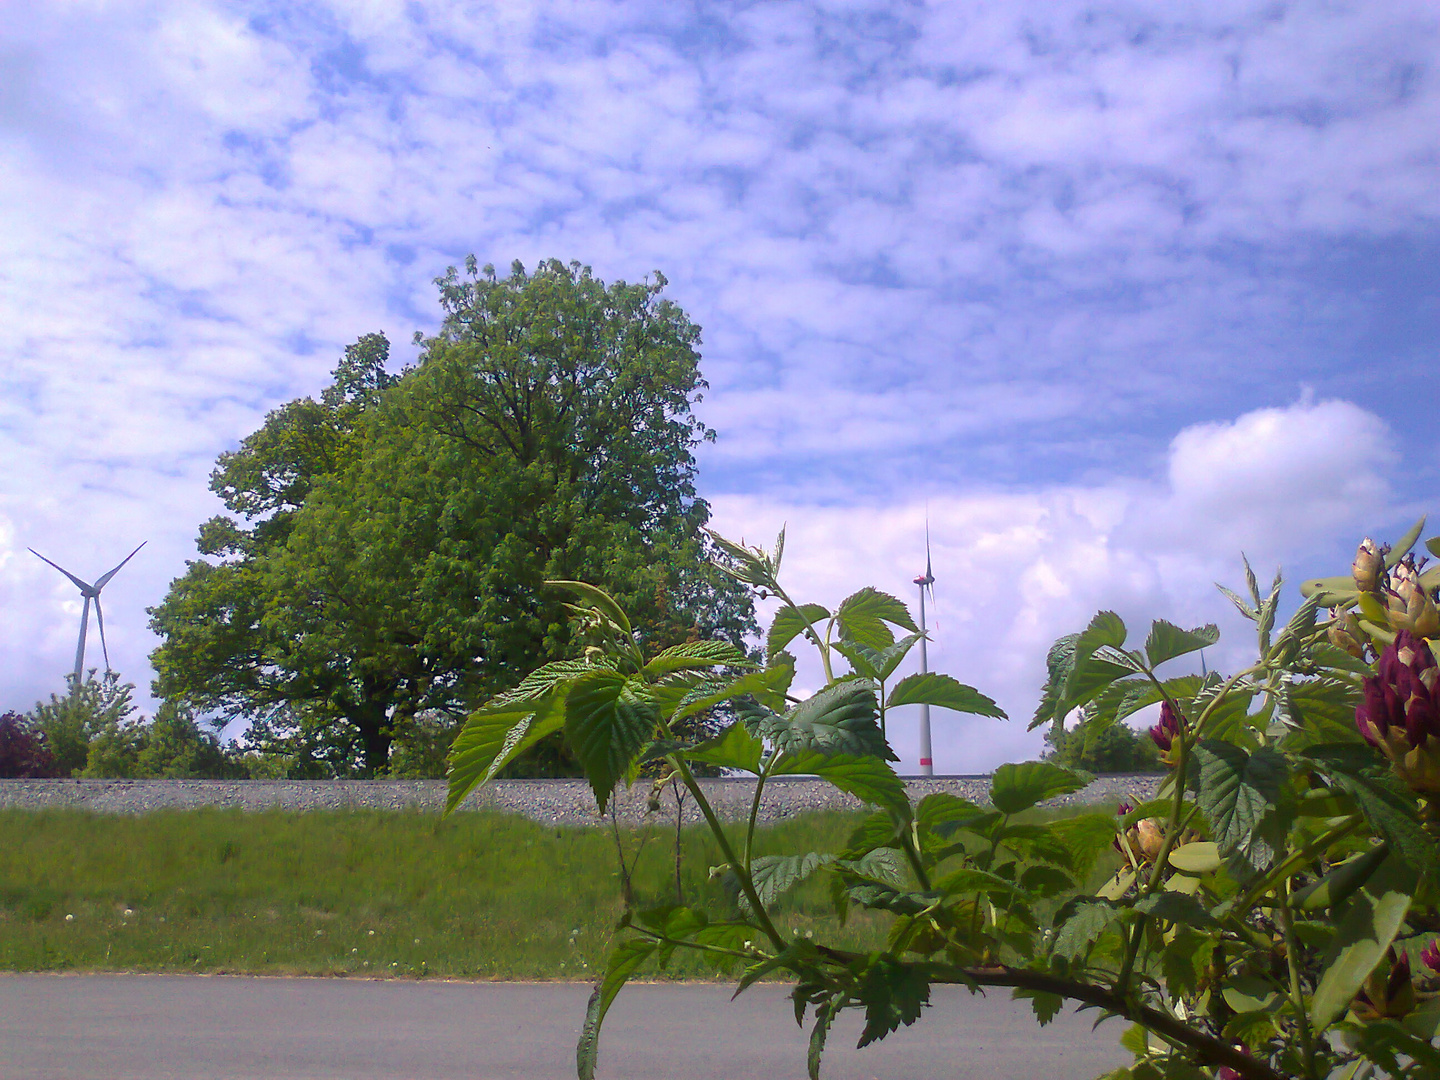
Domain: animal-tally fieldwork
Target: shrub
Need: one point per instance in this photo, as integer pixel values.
(1276, 907)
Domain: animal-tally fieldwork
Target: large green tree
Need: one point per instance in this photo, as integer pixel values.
(396, 534)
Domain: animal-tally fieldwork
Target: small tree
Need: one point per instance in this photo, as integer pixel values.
(1118, 748)
(88, 709)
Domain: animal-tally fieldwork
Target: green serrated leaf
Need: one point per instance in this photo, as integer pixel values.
(1167, 641)
(1237, 792)
(608, 720)
(863, 617)
(493, 737)
(1018, 787)
(942, 806)
(1046, 1006)
(892, 993)
(1388, 807)
(838, 720)
(733, 748)
(1082, 929)
(775, 875)
(697, 654)
(1176, 907)
(869, 778)
(944, 692)
(790, 623)
(767, 685)
(864, 661)
(1239, 602)
(1086, 837)
(1059, 663)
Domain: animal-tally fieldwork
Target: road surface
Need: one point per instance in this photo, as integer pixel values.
(158, 1027)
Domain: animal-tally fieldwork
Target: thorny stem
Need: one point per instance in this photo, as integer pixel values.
(742, 873)
(1212, 1050)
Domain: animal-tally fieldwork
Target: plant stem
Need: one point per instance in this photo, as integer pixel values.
(755, 806)
(1211, 1050)
(1297, 993)
(742, 873)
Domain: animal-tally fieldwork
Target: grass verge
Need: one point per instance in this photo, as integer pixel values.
(352, 893)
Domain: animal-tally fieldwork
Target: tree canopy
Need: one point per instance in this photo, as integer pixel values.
(391, 540)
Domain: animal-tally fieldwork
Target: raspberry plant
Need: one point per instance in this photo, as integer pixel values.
(1274, 913)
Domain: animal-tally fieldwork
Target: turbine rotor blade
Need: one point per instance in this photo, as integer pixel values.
(83, 587)
(100, 620)
(104, 579)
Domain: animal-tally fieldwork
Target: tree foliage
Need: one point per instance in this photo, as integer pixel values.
(1273, 913)
(387, 563)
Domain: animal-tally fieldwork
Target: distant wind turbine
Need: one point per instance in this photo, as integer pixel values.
(925, 581)
(90, 592)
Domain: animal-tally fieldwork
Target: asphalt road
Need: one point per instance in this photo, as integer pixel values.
(155, 1027)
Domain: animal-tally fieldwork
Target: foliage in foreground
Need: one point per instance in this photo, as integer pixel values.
(1275, 912)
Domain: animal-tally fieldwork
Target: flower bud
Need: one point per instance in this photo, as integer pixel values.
(1344, 632)
(1387, 993)
(1399, 713)
(1152, 838)
(1369, 566)
(1171, 726)
(1410, 608)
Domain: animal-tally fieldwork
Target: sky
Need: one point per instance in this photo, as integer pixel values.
(1109, 293)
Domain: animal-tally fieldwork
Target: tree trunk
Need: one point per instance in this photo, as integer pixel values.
(377, 735)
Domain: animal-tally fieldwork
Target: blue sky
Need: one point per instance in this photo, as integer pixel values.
(1115, 290)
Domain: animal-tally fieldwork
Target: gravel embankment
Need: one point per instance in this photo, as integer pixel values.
(559, 802)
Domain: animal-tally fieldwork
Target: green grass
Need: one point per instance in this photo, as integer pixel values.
(353, 893)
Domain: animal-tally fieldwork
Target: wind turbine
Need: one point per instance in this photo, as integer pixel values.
(90, 592)
(925, 581)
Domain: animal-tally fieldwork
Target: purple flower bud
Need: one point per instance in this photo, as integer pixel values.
(1170, 726)
(1399, 712)
(1430, 956)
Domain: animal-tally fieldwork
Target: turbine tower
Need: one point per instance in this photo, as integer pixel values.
(925, 581)
(90, 592)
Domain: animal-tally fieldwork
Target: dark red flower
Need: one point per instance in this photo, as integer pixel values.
(1399, 712)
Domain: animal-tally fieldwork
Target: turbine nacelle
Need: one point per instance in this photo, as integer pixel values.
(90, 592)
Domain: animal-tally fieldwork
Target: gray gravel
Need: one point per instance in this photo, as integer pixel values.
(559, 802)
